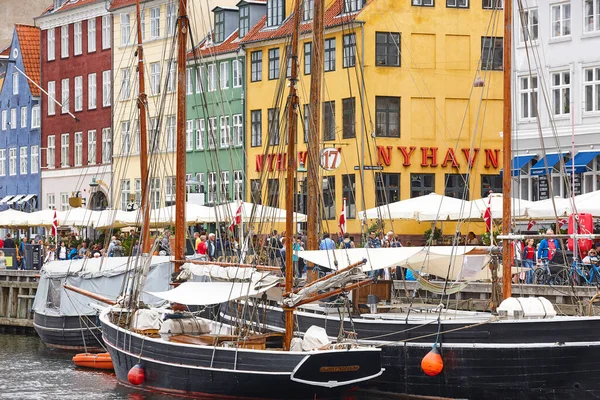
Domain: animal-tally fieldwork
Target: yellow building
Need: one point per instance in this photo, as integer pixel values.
(425, 127)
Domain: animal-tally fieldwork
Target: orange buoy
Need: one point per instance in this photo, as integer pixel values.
(432, 364)
(136, 375)
(97, 361)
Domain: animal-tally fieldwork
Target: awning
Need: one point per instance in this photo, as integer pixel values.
(15, 199)
(540, 167)
(26, 198)
(5, 199)
(581, 160)
(518, 162)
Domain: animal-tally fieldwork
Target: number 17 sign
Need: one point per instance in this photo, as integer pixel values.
(331, 158)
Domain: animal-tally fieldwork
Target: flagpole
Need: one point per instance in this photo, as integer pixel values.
(241, 244)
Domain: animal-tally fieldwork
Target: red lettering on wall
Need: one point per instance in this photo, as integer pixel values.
(280, 162)
(260, 162)
(406, 154)
(427, 156)
(384, 155)
(491, 158)
(470, 156)
(302, 157)
(450, 158)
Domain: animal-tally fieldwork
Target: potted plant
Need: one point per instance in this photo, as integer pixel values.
(433, 235)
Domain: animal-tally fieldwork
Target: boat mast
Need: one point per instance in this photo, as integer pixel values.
(507, 152)
(182, 32)
(292, 125)
(312, 159)
(143, 109)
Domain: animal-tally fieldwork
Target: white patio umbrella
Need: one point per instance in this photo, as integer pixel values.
(41, 218)
(429, 207)
(475, 209)
(78, 217)
(544, 209)
(12, 218)
(194, 214)
(256, 212)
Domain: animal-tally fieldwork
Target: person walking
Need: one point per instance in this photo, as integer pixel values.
(529, 260)
(211, 247)
(22, 258)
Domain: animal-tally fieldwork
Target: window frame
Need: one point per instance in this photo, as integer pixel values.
(495, 50)
(464, 178)
(329, 50)
(561, 89)
(455, 4)
(255, 128)
(349, 50)
(329, 121)
(385, 191)
(91, 35)
(349, 118)
(562, 23)
(422, 189)
(532, 97)
(595, 17)
(387, 110)
(256, 66)
(594, 89)
(274, 63)
(387, 45)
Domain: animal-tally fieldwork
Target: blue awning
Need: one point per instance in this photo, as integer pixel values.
(519, 162)
(540, 167)
(581, 160)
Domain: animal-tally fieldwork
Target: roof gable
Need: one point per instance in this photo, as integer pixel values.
(28, 38)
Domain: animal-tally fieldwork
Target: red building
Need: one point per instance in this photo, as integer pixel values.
(76, 41)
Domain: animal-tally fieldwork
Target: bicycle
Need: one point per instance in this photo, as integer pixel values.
(579, 274)
(542, 274)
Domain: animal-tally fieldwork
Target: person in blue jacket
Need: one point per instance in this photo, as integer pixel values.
(547, 247)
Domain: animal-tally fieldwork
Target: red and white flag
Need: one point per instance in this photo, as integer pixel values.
(562, 222)
(342, 220)
(530, 224)
(54, 224)
(487, 215)
(237, 219)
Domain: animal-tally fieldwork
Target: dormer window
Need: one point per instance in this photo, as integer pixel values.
(219, 27)
(244, 20)
(308, 10)
(275, 12)
(353, 5)
(59, 3)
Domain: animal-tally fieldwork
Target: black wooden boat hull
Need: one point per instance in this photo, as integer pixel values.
(227, 372)
(69, 332)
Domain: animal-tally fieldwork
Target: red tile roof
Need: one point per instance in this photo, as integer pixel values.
(29, 40)
(71, 4)
(208, 49)
(121, 3)
(5, 52)
(333, 17)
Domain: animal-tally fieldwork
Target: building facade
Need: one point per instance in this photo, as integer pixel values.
(76, 42)
(556, 99)
(399, 113)
(20, 130)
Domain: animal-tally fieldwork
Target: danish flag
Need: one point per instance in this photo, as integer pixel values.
(487, 215)
(54, 224)
(237, 219)
(342, 220)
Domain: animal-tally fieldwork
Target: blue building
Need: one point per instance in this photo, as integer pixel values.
(20, 133)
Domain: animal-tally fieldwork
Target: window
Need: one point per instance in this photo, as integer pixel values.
(91, 35)
(106, 90)
(138, 191)
(492, 58)
(349, 116)
(328, 120)
(23, 117)
(171, 130)
(35, 159)
(275, 12)
(155, 23)
(528, 87)
(64, 41)
(91, 91)
(125, 138)
(51, 42)
(236, 67)
(51, 201)
(329, 55)
(273, 193)
(153, 142)
(256, 66)
(421, 184)
(212, 132)
(561, 20)
(212, 187)
(64, 201)
(78, 93)
(328, 198)
(387, 188)
(2, 162)
(125, 190)
(106, 146)
(274, 64)
(200, 179)
(106, 28)
(15, 83)
(219, 27)
(65, 96)
(492, 4)
(91, 148)
(23, 161)
(457, 186)
(12, 161)
(64, 150)
(136, 138)
(529, 30)
(387, 49)
(349, 50)
(307, 57)
(238, 185)
(199, 79)
(13, 118)
(170, 190)
(77, 41)
(78, 149)
(155, 78)
(51, 98)
(125, 30)
(457, 3)
(225, 132)
(171, 19)
(423, 3)
(155, 192)
(224, 192)
(171, 76)
(224, 77)
(256, 127)
(125, 83)
(591, 88)
(244, 21)
(561, 92)
(189, 84)
(591, 16)
(4, 119)
(273, 127)
(387, 116)
(51, 152)
(212, 78)
(238, 132)
(308, 10)
(306, 122)
(349, 193)
(353, 5)
(189, 135)
(200, 133)
(35, 117)
(255, 192)
(490, 182)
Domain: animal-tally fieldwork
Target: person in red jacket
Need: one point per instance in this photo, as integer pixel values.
(529, 259)
(201, 248)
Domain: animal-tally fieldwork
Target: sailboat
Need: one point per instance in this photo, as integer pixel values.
(186, 354)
